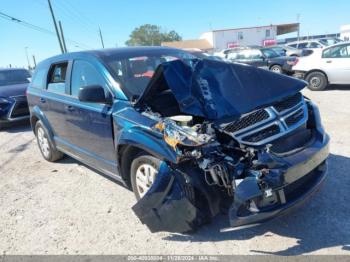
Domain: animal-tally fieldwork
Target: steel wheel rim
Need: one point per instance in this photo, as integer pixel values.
(145, 175)
(276, 69)
(315, 82)
(43, 142)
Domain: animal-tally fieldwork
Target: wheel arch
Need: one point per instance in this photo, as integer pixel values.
(126, 154)
(316, 70)
(37, 115)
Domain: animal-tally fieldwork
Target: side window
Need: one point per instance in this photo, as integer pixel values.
(302, 45)
(57, 78)
(342, 51)
(314, 45)
(85, 74)
(232, 55)
(293, 45)
(39, 78)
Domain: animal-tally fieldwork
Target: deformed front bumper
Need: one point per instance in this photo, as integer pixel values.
(172, 204)
(308, 169)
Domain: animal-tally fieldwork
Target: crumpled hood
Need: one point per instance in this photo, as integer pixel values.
(219, 90)
(13, 90)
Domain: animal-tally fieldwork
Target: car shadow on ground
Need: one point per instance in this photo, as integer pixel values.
(323, 222)
(338, 87)
(17, 127)
(69, 160)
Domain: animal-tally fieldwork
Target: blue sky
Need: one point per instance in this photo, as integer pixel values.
(117, 18)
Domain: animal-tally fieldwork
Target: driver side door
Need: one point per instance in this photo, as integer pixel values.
(89, 125)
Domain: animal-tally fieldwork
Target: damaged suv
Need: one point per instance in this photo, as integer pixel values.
(191, 137)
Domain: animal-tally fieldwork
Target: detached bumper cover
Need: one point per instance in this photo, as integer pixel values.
(307, 171)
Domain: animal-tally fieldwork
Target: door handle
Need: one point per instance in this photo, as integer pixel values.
(329, 61)
(70, 108)
(42, 100)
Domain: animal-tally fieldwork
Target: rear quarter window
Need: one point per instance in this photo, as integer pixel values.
(39, 78)
(57, 78)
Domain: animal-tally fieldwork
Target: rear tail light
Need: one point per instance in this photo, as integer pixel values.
(293, 62)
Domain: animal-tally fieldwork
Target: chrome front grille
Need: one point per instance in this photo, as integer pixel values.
(265, 125)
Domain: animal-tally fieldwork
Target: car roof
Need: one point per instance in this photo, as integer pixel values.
(121, 51)
(12, 69)
(340, 43)
(303, 41)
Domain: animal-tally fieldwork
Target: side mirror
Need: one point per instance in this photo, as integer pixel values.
(93, 94)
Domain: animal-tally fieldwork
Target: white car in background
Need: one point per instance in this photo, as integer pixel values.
(330, 65)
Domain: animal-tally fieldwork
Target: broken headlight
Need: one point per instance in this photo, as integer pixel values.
(182, 135)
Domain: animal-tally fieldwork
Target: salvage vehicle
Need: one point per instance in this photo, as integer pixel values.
(326, 66)
(191, 137)
(13, 101)
(265, 58)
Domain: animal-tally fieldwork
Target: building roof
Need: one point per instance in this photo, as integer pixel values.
(281, 28)
(202, 44)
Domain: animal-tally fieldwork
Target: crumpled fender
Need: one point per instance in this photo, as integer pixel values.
(167, 205)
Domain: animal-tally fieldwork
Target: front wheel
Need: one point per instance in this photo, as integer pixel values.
(143, 171)
(317, 81)
(46, 148)
(276, 69)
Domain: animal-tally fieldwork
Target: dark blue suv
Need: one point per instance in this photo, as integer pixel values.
(191, 137)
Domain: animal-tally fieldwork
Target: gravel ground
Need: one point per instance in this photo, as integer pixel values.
(66, 208)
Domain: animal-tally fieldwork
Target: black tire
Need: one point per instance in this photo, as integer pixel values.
(276, 69)
(52, 154)
(139, 160)
(317, 81)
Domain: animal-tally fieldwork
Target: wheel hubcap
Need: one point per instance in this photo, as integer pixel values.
(145, 175)
(315, 82)
(43, 142)
(276, 69)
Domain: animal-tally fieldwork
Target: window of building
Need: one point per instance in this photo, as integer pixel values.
(268, 33)
(240, 35)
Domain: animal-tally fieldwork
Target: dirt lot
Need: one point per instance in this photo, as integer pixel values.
(67, 208)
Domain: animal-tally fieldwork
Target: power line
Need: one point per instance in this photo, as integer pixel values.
(37, 28)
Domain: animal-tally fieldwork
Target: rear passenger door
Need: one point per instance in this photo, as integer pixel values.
(89, 125)
(51, 100)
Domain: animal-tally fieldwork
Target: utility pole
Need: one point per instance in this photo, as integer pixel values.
(62, 37)
(26, 51)
(55, 24)
(103, 45)
(298, 19)
(34, 61)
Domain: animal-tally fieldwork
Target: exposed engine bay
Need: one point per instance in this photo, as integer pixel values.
(230, 161)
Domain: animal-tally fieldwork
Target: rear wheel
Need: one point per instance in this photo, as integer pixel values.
(317, 81)
(46, 148)
(143, 171)
(276, 69)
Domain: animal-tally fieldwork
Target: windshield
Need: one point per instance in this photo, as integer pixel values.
(329, 41)
(269, 53)
(13, 77)
(135, 72)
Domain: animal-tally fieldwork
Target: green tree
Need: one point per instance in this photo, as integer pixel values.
(151, 35)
